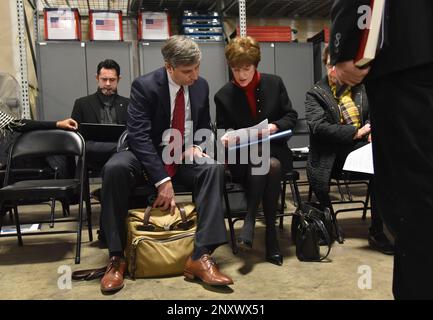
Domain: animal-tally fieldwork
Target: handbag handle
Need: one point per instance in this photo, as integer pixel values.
(185, 224)
(322, 228)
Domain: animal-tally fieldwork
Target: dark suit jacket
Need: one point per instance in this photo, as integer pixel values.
(88, 109)
(409, 34)
(273, 103)
(149, 116)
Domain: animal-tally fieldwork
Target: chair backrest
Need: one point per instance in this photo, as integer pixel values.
(48, 142)
(44, 143)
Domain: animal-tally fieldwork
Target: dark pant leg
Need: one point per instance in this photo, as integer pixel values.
(376, 218)
(119, 176)
(206, 180)
(402, 113)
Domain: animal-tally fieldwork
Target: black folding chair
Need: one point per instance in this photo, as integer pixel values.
(45, 143)
(236, 203)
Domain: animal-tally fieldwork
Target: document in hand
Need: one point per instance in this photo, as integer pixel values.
(360, 160)
(278, 135)
(370, 36)
(245, 134)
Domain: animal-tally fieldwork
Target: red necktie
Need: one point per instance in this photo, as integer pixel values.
(177, 123)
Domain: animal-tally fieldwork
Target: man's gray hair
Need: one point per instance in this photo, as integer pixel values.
(179, 50)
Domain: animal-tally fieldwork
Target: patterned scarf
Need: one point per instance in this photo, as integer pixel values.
(349, 113)
(7, 124)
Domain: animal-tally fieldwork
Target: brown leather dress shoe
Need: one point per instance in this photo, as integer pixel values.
(113, 278)
(207, 270)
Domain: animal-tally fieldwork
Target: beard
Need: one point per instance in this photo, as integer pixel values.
(108, 92)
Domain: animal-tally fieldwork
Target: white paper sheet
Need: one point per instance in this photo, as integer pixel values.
(360, 160)
(244, 133)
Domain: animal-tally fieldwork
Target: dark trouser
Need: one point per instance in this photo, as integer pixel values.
(402, 115)
(264, 188)
(123, 172)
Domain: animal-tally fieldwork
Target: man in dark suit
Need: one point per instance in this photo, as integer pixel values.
(104, 106)
(169, 100)
(400, 91)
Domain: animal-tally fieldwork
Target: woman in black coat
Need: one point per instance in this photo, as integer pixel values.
(338, 125)
(244, 102)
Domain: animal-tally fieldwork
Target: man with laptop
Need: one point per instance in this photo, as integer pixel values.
(102, 118)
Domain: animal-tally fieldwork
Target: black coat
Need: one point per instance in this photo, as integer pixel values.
(327, 136)
(88, 109)
(149, 116)
(407, 44)
(273, 103)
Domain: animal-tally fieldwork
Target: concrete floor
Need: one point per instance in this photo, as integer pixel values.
(38, 269)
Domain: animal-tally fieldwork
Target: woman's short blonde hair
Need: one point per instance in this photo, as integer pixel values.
(242, 51)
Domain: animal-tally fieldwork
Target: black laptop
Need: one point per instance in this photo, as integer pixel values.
(101, 132)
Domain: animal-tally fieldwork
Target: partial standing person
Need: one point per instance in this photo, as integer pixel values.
(400, 90)
(248, 99)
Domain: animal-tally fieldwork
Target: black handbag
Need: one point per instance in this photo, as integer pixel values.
(312, 228)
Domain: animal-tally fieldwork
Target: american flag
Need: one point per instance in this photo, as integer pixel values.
(54, 22)
(154, 23)
(105, 24)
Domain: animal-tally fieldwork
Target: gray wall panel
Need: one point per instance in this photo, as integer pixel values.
(267, 62)
(150, 56)
(62, 78)
(119, 52)
(214, 69)
(294, 64)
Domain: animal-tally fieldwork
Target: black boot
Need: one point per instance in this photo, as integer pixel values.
(273, 254)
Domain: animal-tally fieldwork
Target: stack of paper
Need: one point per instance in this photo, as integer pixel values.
(24, 228)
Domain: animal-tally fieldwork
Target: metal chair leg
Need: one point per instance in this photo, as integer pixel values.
(283, 202)
(349, 194)
(340, 190)
(89, 211)
(53, 208)
(367, 199)
(17, 224)
(231, 223)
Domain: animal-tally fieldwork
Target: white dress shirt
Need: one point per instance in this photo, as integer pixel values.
(174, 88)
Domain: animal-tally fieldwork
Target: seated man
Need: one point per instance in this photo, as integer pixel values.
(104, 106)
(338, 125)
(170, 97)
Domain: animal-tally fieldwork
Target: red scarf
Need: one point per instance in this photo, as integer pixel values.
(250, 92)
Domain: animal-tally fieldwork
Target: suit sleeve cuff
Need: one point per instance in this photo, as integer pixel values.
(162, 181)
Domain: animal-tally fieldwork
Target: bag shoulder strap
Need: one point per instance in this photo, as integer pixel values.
(319, 223)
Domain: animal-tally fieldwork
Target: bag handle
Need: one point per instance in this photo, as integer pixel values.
(322, 228)
(185, 224)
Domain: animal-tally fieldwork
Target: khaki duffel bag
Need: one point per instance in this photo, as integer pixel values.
(159, 244)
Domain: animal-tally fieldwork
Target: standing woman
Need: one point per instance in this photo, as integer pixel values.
(248, 99)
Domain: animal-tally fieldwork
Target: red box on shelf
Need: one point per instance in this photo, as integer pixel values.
(269, 33)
